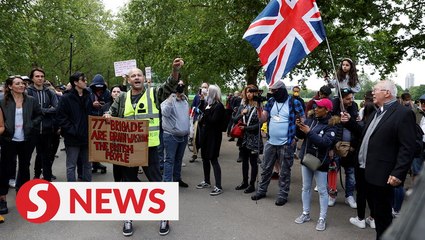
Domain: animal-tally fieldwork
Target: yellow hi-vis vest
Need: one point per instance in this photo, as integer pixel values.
(145, 110)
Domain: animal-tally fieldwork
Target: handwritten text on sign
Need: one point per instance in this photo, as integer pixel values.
(121, 141)
(122, 67)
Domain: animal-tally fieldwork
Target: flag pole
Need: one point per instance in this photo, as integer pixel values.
(336, 77)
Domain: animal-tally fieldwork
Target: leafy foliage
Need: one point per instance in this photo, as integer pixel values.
(206, 33)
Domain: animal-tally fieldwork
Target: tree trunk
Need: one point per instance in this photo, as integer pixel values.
(252, 73)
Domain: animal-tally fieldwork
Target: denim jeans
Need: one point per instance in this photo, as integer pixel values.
(174, 152)
(161, 148)
(285, 154)
(398, 197)
(321, 182)
(73, 153)
(350, 179)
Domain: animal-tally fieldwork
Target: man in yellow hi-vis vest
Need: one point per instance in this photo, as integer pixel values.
(142, 102)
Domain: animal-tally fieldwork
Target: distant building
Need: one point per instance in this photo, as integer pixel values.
(410, 80)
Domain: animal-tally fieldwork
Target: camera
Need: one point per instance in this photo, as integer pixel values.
(259, 98)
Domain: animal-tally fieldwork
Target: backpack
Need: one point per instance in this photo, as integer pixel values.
(419, 145)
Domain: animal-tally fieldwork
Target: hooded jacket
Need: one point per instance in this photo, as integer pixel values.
(48, 103)
(103, 96)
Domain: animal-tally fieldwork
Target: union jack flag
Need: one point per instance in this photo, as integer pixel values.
(284, 33)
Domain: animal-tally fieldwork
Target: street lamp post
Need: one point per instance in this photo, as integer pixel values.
(71, 41)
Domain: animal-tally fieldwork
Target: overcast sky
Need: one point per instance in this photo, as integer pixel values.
(399, 77)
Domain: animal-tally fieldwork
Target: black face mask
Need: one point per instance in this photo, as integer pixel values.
(281, 95)
(180, 88)
(269, 95)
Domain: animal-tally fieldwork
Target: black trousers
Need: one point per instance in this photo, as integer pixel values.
(361, 194)
(129, 174)
(380, 199)
(43, 146)
(9, 151)
(249, 158)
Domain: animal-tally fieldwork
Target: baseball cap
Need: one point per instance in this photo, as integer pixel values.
(324, 102)
(277, 85)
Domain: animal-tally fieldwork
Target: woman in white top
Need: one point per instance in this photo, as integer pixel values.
(21, 114)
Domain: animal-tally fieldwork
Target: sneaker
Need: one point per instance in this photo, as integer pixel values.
(183, 184)
(164, 227)
(203, 184)
(12, 183)
(127, 229)
(350, 201)
(194, 157)
(357, 222)
(331, 201)
(371, 222)
(183, 164)
(239, 160)
(3, 207)
(321, 224)
(316, 189)
(394, 212)
(216, 191)
(303, 218)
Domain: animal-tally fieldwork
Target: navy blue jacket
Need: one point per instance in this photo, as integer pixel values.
(320, 139)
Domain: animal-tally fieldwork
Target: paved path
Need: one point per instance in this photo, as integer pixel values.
(231, 215)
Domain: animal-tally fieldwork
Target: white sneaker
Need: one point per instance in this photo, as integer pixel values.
(183, 164)
(371, 222)
(331, 201)
(357, 222)
(12, 183)
(316, 189)
(350, 201)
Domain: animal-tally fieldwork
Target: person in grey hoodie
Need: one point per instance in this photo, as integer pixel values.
(176, 126)
(43, 136)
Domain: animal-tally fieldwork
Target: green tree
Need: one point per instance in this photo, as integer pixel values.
(36, 33)
(208, 34)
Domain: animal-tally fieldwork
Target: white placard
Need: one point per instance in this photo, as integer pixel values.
(148, 71)
(122, 67)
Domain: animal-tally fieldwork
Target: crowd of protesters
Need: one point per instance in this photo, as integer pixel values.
(332, 130)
